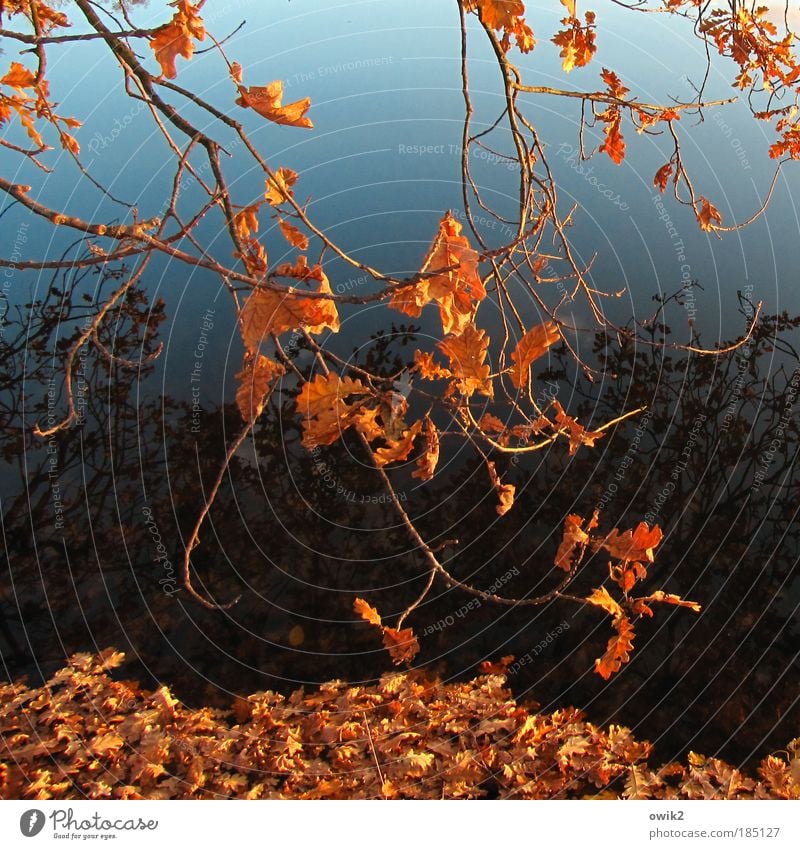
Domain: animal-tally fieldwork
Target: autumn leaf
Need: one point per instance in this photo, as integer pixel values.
(491, 424)
(324, 408)
(614, 144)
(367, 612)
(429, 458)
(266, 100)
(661, 180)
(633, 545)
(627, 574)
(570, 6)
(428, 369)
(659, 596)
(573, 537)
(19, 77)
(708, 216)
(505, 491)
(256, 381)
(601, 598)
(177, 38)
(531, 346)
(398, 449)
(293, 236)
(618, 649)
(278, 186)
(457, 291)
(577, 433)
(402, 645)
(269, 311)
(505, 15)
(245, 222)
(614, 84)
(576, 42)
(467, 355)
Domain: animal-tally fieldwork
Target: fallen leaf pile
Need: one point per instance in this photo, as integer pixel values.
(409, 736)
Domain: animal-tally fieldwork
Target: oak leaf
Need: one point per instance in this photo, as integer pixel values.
(367, 612)
(269, 311)
(505, 491)
(601, 598)
(576, 432)
(245, 222)
(177, 38)
(324, 408)
(267, 101)
(19, 77)
(618, 649)
(708, 216)
(530, 347)
(576, 42)
(467, 355)
(256, 382)
(428, 460)
(278, 186)
(428, 369)
(661, 179)
(669, 598)
(489, 423)
(398, 449)
(295, 237)
(635, 545)
(574, 537)
(456, 290)
(402, 645)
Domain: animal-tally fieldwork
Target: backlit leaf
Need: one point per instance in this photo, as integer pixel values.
(530, 347)
(267, 101)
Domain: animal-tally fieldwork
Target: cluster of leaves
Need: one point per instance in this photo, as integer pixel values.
(85, 735)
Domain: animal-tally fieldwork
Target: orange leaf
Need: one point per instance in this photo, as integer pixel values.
(577, 433)
(266, 100)
(708, 215)
(491, 424)
(669, 598)
(256, 382)
(427, 461)
(467, 355)
(403, 645)
(456, 290)
(633, 545)
(618, 649)
(600, 597)
(367, 612)
(428, 369)
(661, 179)
(505, 15)
(576, 42)
(245, 222)
(627, 574)
(278, 187)
(19, 77)
(293, 236)
(322, 404)
(176, 38)
(614, 144)
(398, 449)
(615, 86)
(270, 311)
(505, 491)
(573, 537)
(530, 347)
